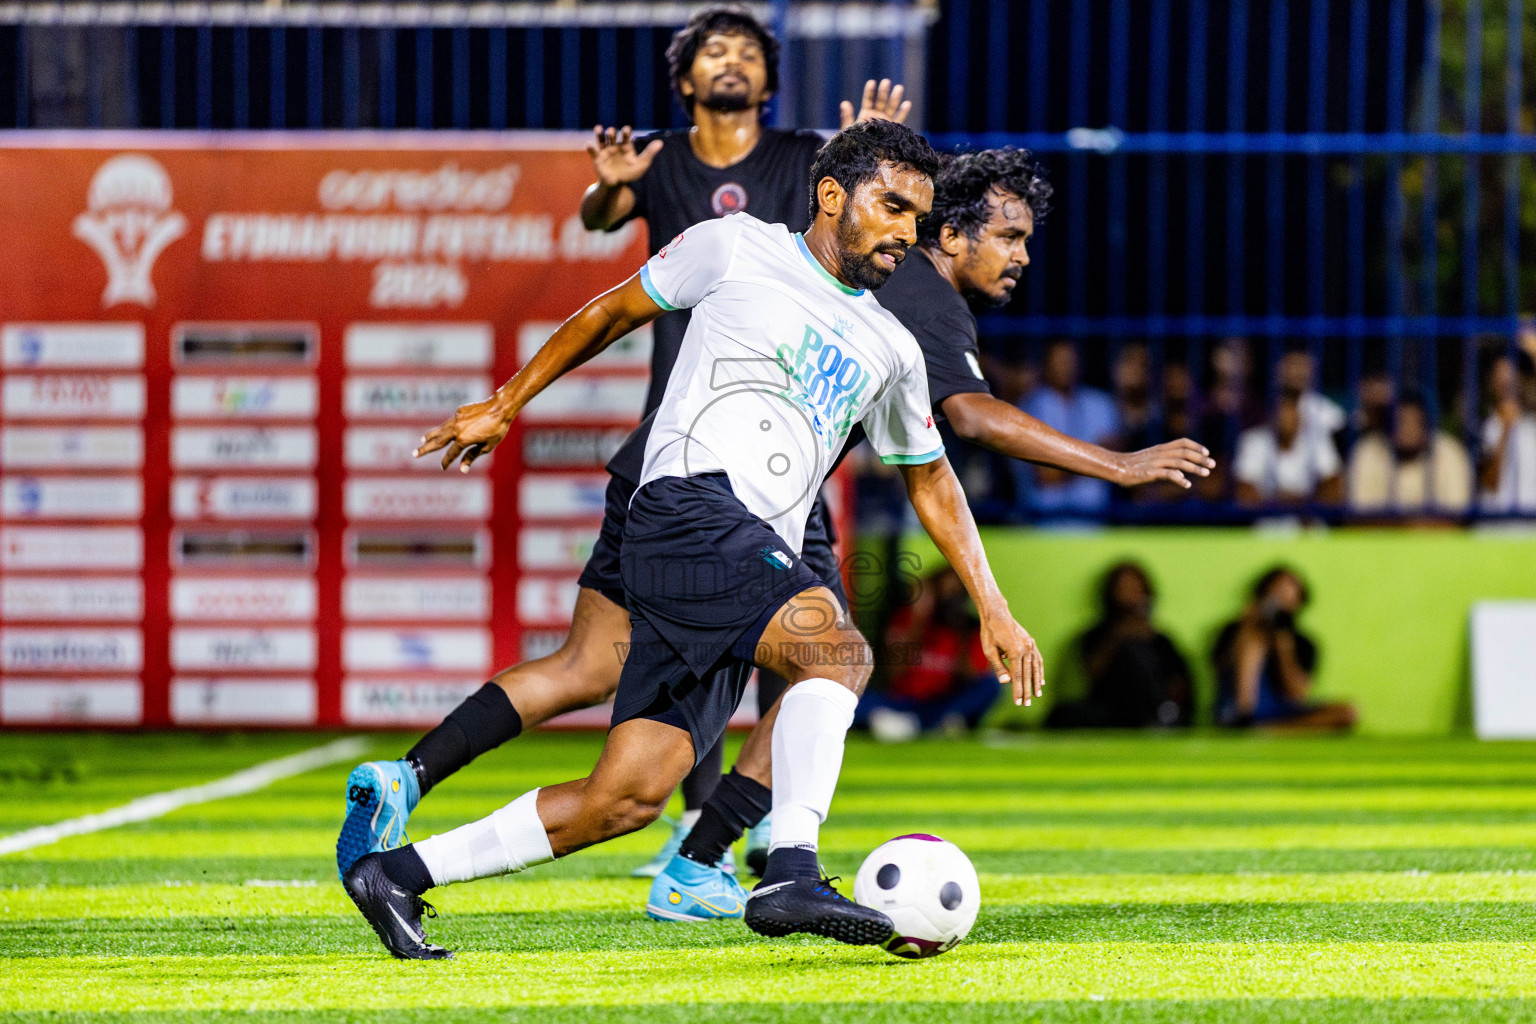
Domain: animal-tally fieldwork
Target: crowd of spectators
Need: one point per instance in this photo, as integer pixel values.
(1374, 448)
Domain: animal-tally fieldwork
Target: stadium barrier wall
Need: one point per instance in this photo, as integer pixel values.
(1390, 609)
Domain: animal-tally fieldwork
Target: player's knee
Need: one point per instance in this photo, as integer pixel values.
(841, 655)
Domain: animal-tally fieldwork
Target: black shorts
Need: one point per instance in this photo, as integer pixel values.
(601, 573)
(703, 576)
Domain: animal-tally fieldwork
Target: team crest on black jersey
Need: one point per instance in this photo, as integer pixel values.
(728, 199)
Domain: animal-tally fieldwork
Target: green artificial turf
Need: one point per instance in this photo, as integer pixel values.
(1125, 879)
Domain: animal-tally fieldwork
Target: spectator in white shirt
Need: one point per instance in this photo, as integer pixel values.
(1297, 371)
(1281, 463)
(1508, 472)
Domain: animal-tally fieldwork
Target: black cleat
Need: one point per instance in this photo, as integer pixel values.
(813, 905)
(394, 913)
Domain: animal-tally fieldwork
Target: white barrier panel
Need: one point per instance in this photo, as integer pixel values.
(255, 398)
(71, 701)
(380, 598)
(1504, 669)
(269, 701)
(72, 346)
(85, 598)
(243, 599)
(419, 702)
(79, 448)
(24, 649)
(261, 649)
(68, 547)
(415, 650)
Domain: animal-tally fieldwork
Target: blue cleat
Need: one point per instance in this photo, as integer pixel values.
(689, 891)
(757, 847)
(380, 798)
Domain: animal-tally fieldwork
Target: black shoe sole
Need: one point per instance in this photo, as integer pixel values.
(847, 928)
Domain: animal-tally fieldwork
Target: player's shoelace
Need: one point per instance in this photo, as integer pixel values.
(825, 887)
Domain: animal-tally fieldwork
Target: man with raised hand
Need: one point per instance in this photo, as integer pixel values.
(788, 350)
(724, 66)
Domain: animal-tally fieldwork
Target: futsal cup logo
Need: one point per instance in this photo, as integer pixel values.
(129, 224)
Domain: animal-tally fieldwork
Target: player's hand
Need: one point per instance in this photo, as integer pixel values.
(883, 102)
(1175, 461)
(614, 157)
(474, 430)
(1013, 655)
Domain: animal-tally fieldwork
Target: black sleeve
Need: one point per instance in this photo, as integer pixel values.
(952, 358)
(642, 189)
(1306, 653)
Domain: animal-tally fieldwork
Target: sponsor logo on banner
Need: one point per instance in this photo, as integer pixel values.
(248, 701)
(65, 547)
(447, 346)
(580, 447)
(413, 598)
(129, 222)
(552, 548)
(387, 448)
(72, 346)
(243, 549)
(245, 397)
(402, 702)
(543, 601)
(630, 353)
(412, 398)
(417, 498)
(71, 497)
(248, 599)
(236, 497)
(437, 548)
(445, 650)
(111, 598)
(605, 399)
(233, 447)
(59, 396)
(79, 448)
(549, 496)
(262, 343)
(242, 648)
(72, 701)
(71, 650)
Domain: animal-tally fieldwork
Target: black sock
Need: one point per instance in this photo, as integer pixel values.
(483, 722)
(789, 863)
(406, 869)
(737, 804)
(700, 783)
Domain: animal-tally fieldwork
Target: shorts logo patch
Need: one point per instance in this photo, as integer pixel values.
(776, 558)
(728, 199)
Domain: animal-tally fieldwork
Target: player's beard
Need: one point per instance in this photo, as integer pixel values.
(861, 269)
(726, 101)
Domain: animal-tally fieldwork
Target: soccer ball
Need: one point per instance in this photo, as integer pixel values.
(928, 889)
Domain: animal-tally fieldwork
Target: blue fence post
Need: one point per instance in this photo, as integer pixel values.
(1317, 111)
(205, 76)
(1392, 212)
(1429, 253)
(351, 77)
(1514, 28)
(277, 93)
(388, 114)
(1274, 167)
(241, 114)
(644, 99)
(1237, 164)
(607, 76)
(1354, 221)
(570, 78)
(168, 76)
(1039, 96)
(1157, 164)
(1115, 207)
(496, 78)
(424, 97)
(999, 81)
(1194, 222)
(314, 78)
(533, 95)
(1472, 116)
(459, 39)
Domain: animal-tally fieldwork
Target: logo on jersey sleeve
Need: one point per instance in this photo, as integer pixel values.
(728, 199)
(668, 247)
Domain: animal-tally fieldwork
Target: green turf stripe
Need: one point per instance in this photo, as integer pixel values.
(802, 973)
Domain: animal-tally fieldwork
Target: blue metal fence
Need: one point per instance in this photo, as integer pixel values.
(1345, 178)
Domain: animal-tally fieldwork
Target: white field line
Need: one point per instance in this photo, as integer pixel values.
(157, 804)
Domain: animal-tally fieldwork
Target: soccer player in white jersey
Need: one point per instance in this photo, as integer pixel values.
(786, 351)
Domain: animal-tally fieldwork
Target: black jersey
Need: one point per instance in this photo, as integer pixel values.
(928, 306)
(772, 182)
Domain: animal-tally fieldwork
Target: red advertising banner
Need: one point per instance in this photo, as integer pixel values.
(218, 352)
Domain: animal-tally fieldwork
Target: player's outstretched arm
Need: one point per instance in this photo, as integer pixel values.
(882, 101)
(941, 507)
(476, 429)
(609, 199)
(1009, 430)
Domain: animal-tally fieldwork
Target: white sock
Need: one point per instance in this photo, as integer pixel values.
(808, 739)
(509, 840)
(691, 818)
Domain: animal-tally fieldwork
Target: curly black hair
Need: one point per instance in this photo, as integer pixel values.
(962, 189)
(854, 155)
(726, 19)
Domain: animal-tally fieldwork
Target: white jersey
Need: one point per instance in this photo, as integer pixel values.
(779, 362)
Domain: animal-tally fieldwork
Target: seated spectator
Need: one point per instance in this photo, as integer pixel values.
(1136, 676)
(1135, 405)
(1373, 408)
(1297, 372)
(1281, 463)
(1228, 409)
(1508, 471)
(1054, 495)
(1264, 664)
(940, 678)
(1413, 470)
